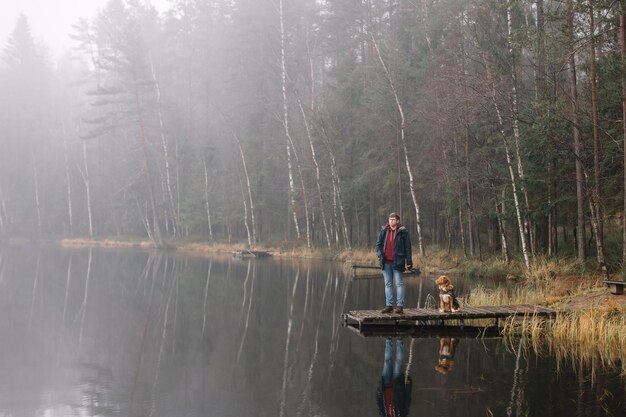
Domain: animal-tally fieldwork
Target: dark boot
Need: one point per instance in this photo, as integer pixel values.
(399, 310)
(387, 310)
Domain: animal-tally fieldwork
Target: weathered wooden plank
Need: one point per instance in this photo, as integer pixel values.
(616, 287)
(433, 331)
(465, 313)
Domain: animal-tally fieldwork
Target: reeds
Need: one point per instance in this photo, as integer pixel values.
(592, 336)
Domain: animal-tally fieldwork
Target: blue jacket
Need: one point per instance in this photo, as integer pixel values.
(402, 255)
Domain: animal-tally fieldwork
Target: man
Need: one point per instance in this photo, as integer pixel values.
(393, 248)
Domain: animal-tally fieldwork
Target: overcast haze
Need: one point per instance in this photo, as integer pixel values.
(51, 21)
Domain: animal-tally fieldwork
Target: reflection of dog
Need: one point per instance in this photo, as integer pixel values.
(447, 348)
(447, 298)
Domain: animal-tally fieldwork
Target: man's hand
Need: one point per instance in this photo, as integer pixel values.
(409, 267)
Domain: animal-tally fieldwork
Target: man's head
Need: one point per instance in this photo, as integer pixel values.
(394, 220)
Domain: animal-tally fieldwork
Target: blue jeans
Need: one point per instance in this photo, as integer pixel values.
(391, 275)
(392, 368)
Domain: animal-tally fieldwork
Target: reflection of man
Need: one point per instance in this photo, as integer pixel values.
(447, 349)
(393, 249)
(393, 395)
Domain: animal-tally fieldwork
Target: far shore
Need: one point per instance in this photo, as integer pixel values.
(573, 285)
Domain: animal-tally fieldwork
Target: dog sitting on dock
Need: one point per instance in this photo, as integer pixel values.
(447, 298)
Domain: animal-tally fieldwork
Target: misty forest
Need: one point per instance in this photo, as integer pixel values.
(491, 126)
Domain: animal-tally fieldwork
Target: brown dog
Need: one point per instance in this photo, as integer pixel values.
(447, 298)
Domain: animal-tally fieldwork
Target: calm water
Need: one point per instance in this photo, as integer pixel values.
(129, 333)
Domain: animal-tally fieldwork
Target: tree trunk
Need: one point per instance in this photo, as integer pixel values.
(206, 200)
(166, 156)
(249, 187)
(404, 148)
(156, 229)
(520, 221)
(466, 136)
(528, 229)
(317, 171)
(37, 199)
(339, 202)
(595, 195)
(283, 73)
(67, 180)
(501, 227)
(84, 172)
(622, 38)
(596, 230)
(3, 212)
(580, 214)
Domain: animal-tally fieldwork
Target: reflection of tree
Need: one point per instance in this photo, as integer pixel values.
(288, 337)
(34, 292)
(206, 295)
(67, 294)
(247, 322)
(306, 395)
(83, 307)
(517, 388)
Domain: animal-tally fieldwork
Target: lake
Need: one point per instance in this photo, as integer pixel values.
(107, 332)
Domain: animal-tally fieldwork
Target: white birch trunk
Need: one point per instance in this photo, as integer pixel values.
(166, 157)
(245, 215)
(3, 218)
(337, 188)
(206, 200)
(68, 181)
(317, 170)
(502, 227)
(516, 133)
(245, 171)
(404, 148)
(37, 199)
(283, 73)
(143, 141)
(84, 172)
(335, 218)
(518, 212)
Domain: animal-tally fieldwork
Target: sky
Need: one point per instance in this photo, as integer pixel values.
(52, 20)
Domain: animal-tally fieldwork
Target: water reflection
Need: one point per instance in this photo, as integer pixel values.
(109, 333)
(447, 350)
(393, 395)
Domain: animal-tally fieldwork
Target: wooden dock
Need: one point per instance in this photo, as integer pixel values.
(616, 287)
(430, 317)
(431, 331)
(251, 253)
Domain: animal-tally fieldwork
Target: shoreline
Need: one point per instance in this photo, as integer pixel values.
(570, 280)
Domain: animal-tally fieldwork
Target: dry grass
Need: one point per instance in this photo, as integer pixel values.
(106, 243)
(592, 335)
(481, 296)
(587, 338)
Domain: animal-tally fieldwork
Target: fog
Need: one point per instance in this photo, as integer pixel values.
(308, 121)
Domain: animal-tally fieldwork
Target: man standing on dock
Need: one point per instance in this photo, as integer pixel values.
(393, 249)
